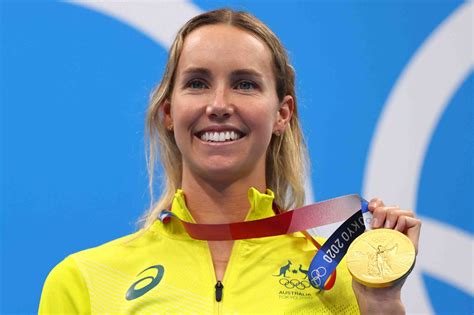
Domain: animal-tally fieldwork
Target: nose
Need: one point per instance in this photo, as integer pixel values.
(219, 106)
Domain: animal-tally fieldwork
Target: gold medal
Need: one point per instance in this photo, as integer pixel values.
(379, 258)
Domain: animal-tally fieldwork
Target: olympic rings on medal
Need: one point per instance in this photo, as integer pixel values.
(294, 283)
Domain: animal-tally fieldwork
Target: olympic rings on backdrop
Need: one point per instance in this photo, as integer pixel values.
(294, 283)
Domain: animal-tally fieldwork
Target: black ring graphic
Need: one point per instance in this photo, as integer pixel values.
(294, 283)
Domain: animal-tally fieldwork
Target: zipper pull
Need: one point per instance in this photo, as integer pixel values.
(219, 287)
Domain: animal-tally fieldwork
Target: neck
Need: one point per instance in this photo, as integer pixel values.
(219, 202)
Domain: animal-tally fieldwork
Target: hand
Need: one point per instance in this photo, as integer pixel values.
(392, 217)
(387, 300)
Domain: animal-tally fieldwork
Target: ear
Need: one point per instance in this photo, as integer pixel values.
(284, 114)
(167, 118)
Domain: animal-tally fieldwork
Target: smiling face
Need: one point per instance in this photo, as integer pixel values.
(224, 106)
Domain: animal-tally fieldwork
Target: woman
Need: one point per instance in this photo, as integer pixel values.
(225, 120)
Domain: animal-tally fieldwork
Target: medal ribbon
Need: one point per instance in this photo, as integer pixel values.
(321, 213)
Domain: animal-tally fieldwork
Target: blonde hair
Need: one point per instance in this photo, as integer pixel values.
(286, 155)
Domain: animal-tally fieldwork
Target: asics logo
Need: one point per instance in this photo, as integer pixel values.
(133, 293)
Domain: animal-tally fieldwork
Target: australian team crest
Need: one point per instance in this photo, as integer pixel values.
(292, 279)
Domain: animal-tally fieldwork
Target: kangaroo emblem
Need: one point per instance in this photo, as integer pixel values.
(305, 272)
(284, 269)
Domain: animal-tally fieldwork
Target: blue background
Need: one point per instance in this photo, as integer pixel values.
(74, 88)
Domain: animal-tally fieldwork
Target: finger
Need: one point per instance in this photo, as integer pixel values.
(412, 230)
(393, 214)
(401, 224)
(379, 216)
(375, 203)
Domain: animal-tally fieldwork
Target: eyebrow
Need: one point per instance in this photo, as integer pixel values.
(201, 71)
(249, 72)
(238, 72)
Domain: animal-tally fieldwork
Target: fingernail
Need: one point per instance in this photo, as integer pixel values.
(387, 224)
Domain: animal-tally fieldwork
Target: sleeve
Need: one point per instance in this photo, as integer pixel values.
(65, 291)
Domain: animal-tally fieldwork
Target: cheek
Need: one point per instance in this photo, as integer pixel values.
(183, 118)
(263, 118)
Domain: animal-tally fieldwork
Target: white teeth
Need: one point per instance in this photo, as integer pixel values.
(220, 136)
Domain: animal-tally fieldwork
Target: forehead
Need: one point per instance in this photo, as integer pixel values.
(222, 47)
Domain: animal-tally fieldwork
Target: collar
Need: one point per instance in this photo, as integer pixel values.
(260, 207)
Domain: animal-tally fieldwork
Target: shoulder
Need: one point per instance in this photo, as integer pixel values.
(116, 256)
(115, 248)
(70, 266)
(68, 285)
(65, 290)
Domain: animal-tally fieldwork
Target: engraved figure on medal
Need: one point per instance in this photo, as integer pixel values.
(378, 264)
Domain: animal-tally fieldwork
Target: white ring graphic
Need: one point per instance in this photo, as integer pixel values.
(160, 20)
(401, 139)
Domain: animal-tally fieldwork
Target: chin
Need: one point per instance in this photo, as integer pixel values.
(223, 168)
(224, 173)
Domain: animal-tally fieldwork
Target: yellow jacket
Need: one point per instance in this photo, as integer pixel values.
(163, 270)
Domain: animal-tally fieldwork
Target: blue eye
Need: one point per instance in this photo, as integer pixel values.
(246, 85)
(196, 84)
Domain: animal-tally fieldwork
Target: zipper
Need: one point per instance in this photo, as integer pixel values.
(219, 288)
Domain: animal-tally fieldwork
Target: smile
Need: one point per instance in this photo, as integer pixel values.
(220, 136)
